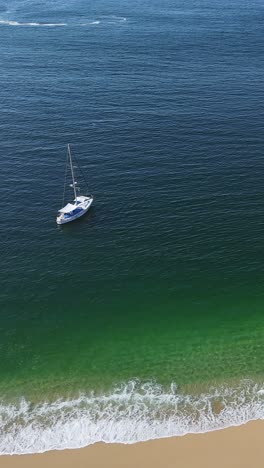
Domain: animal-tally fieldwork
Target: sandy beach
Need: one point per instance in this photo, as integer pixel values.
(237, 447)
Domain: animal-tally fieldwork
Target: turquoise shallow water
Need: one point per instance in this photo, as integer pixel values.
(145, 318)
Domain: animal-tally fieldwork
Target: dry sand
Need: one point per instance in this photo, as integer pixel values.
(239, 447)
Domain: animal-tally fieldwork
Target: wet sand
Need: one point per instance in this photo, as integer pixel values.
(237, 447)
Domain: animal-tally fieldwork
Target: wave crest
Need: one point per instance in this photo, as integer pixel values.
(17, 23)
(111, 20)
(131, 413)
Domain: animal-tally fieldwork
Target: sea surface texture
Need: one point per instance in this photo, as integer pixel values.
(143, 319)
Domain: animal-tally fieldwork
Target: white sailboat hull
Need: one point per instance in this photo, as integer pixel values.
(82, 208)
(80, 204)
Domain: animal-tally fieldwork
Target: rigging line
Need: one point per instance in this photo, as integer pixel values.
(80, 169)
(65, 177)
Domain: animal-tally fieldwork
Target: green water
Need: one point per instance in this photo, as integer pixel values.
(199, 340)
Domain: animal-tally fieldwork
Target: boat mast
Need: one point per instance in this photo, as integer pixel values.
(73, 181)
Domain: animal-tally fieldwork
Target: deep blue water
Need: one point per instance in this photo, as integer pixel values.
(162, 103)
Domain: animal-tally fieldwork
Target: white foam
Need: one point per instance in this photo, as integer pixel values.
(91, 23)
(107, 20)
(131, 413)
(34, 24)
(114, 19)
(120, 18)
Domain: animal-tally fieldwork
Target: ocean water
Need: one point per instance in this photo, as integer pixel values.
(144, 319)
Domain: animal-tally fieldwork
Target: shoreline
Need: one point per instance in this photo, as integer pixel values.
(233, 447)
(129, 414)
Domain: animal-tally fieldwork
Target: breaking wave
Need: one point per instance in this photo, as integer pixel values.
(17, 23)
(106, 20)
(131, 413)
(91, 22)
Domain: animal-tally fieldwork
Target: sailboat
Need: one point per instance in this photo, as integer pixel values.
(80, 204)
